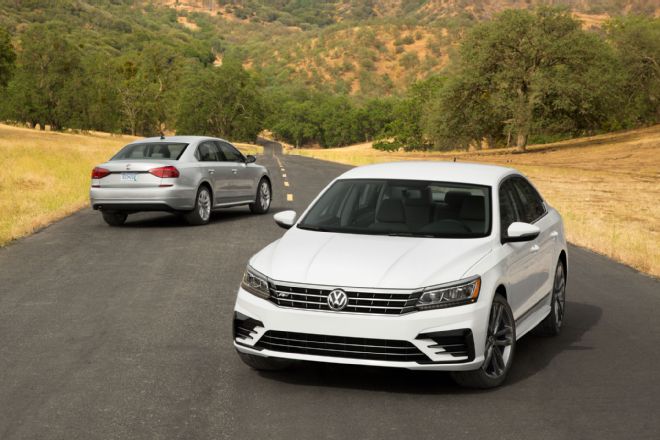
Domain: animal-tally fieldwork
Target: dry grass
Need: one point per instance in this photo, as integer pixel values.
(607, 187)
(45, 175)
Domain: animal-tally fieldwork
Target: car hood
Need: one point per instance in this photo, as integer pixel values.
(369, 261)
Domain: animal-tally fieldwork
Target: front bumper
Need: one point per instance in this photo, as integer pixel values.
(143, 199)
(425, 330)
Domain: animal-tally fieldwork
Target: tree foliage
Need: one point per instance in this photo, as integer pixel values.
(224, 101)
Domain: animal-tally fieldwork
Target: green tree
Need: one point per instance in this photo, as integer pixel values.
(7, 58)
(520, 55)
(221, 101)
(637, 42)
(407, 129)
(45, 87)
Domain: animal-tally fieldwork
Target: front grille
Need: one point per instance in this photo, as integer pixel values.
(367, 301)
(340, 346)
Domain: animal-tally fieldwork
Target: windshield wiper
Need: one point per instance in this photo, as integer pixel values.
(408, 234)
(313, 228)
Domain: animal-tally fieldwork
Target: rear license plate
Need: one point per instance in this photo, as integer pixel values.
(129, 177)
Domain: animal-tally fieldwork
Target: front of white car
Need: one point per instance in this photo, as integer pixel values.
(395, 298)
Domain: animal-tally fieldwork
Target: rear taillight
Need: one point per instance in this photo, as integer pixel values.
(99, 173)
(167, 172)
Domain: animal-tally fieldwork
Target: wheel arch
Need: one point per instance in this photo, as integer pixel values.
(208, 185)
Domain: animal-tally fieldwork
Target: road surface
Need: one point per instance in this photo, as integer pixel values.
(113, 333)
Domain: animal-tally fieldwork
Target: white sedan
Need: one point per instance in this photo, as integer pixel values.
(425, 266)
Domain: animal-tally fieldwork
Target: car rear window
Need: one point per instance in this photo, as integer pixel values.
(152, 150)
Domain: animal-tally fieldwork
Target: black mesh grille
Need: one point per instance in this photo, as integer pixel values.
(384, 303)
(339, 346)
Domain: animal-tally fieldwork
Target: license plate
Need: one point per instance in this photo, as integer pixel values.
(129, 177)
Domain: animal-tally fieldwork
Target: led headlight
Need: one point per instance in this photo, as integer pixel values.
(255, 283)
(448, 295)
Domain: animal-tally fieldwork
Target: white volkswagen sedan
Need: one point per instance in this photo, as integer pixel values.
(418, 265)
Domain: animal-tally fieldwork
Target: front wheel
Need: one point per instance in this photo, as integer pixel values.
(499, 350)
(114, 218)
(551, 325)
(262, 202)
(201, 214)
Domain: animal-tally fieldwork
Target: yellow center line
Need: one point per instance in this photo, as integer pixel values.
(286, 183)
(284, 176)
(289, 197)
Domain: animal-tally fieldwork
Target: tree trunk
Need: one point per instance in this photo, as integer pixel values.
(521, 141)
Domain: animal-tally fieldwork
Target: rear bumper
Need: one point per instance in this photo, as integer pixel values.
(143, 199)
(424, 331)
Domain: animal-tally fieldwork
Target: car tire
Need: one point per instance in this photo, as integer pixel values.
(264, 197)
(261, 363)
(114, 218)
(500, 348)
(551, 325)
(201, 214)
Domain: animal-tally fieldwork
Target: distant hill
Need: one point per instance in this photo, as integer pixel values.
(358, 47)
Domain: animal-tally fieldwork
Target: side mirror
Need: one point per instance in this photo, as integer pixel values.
(519, 231)
(250, 159)
(285, 219)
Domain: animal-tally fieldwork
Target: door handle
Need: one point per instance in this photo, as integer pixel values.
(234, 171)
(554, 235)
(535, 248)
(211, 171)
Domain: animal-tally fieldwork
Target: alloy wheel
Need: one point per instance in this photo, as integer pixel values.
(204, 204)
(498, 341)
(264, 195)
(559, 294)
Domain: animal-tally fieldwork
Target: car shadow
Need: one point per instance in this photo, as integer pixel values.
(169, 220)
(533, 355)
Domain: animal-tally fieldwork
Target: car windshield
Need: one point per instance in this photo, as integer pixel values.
(402, 207)
(154, 150)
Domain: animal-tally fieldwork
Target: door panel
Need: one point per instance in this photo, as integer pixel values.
(239, 173)
(212, 167)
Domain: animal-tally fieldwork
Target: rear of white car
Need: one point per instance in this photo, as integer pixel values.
(398, 292)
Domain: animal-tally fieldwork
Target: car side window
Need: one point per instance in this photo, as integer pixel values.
(230, 153)
(508, 212)
(207, 152)
(532, 207)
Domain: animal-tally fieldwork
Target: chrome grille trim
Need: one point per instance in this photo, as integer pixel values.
(360, 300)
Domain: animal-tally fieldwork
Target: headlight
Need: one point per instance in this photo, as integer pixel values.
(255, 283)
(448, 295)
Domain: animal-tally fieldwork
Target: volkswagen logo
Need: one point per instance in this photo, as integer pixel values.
(337, 300)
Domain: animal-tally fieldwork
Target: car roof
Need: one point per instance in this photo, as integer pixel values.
(455, 172)
(183, 139)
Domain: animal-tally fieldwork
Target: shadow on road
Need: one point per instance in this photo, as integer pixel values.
(167, 220)
(533, 355)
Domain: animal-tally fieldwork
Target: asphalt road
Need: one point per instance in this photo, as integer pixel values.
(126, 333)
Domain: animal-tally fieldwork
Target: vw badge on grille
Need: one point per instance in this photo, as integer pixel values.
(337, 300)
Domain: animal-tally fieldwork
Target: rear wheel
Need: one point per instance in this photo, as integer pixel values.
(551, 325)
(264, 363)
(498, 354)
(201, 214)
(114, 218)
(262, 202)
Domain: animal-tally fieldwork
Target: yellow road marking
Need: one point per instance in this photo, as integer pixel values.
(286, 183)
(284, 176)
(282, 169)
(289, 197)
